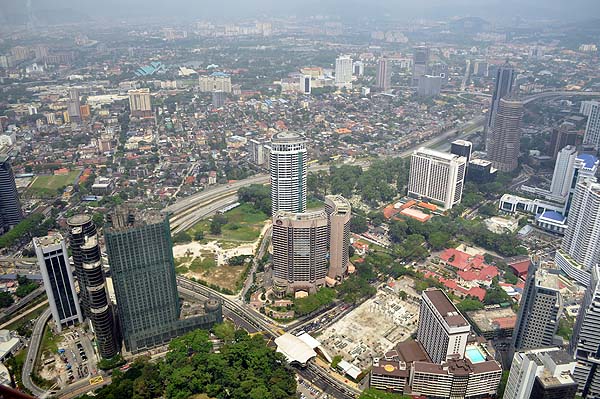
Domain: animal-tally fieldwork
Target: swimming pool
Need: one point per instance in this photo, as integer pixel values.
(475, 355)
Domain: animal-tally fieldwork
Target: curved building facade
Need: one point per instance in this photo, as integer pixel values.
(504, 139)
(85, 248)
(288, 167)
(10, 207)
(300, 251)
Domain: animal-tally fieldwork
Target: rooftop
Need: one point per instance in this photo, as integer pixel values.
(443, 305)
(54, 239)
(315, 215)
(79, 220)
(553, 215)
(588, 160)
(446, 156)
(288, 137)
(125, 218)
(547, 279)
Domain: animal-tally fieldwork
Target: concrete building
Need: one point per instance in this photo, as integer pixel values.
(541, 373)
(74, 104)
(429, 86)
(95, 305)
(339, 213)
(383, 78)
(359, 68)
(584, 167)
(462, 148)
(540, 308)
(257, 152)
(585, 341)
(305, 83)
(585, 108)
(53, 261)
(217, 81)
(563, 172)
(504, 86)
(140, 103)
(562, 136)
(480, 68)
(218, 99)
(504, 137)
(481, 171)
(288, 166)
(343, 71)
(420, 62)
(592, 129)
(442, 330)
(580, 250)
(299, 251)
(140, 253)
(437, 176)
(10, 206)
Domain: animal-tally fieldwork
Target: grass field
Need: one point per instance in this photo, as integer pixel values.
(47, 185)
(244, 224)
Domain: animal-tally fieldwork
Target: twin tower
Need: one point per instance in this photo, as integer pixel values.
(310, 248)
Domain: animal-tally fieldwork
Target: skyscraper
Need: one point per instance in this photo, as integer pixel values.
(585, 341)
(53, 261)
(539, 311)
(74, 105)
(504, 139)
(420, 62)
(580, 250)
(216, 81)
(383, 79)
(592, 129)
(563, 171)
(10, 206)
(140, 253)
(339, 213)
(288, 166)
(505, 80)
(299, 251)
(429, 86)
(87, 259)
(462, 148)
(306, 86)
(359, 68)
(437, 176)
(442, 330)
(140, 103)
(343, 71)
(541, 373)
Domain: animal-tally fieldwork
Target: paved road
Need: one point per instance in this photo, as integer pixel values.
(264, 244)
(22, 302)
(32, 352)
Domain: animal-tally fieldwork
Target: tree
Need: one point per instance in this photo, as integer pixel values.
(181, 238)
(199, 235)
(6, 300)
(217, 223)
(358, 224)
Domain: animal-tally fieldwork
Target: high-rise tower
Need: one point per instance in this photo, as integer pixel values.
(53, 260)
(383, 79)
(87, 259)
(420, 62)
(288, 166)
(592, 129)
(339, 213)
(504, 139)
(10, 207)
(505, 80)
(343, 71)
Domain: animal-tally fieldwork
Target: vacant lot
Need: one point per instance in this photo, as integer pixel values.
(47, 185)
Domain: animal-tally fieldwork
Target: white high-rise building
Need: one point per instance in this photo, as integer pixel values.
(586, 107)
(359, 68)
(383, 79)
(437, 176)
(343, 71)
(585, 341)
(581, 245)
(563, 171)
(53, 260)
(288, 166)
(541, 371)
(592, 129)
(216, 81)
(442, 330)
(140, 103)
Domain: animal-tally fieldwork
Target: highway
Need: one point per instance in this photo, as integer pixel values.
(21, 303)
(32, 352)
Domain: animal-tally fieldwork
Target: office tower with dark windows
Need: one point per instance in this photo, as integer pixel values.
(339, 213)
(540, 308)
(442, 330)
(95, 304)
(140, 253)
(504, 138)
(10, 206)
(580, 249)
(299, 251)
(437, 176)
(585, 341)
(288, 167)
(462, 148)
(383, 79)
(306, 86)
(420, 62)
(53, 261)
(592, 129)
(504, 86)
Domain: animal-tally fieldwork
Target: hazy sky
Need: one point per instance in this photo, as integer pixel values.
(197, 9)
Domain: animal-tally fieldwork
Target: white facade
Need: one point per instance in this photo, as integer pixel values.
(437, 176)
(442, 330)
(592, 129)
(217, 81)
(139, 101)
(563, 171)
(586, 107)
(582, 238)
(544, 363)
(53, 260)
(343, 71)
(288, 166)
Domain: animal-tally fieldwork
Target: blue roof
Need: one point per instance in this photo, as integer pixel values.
(588, 160)
(221, 74)
(553, 215)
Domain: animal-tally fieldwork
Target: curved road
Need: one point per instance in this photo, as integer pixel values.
(32, 352)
